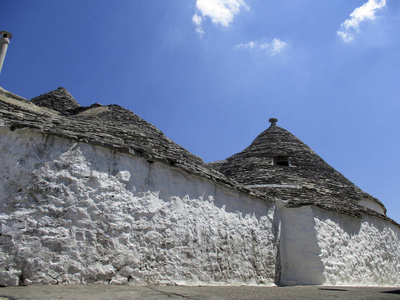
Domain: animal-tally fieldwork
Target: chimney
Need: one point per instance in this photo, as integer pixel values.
(4, 42)
(273, 121)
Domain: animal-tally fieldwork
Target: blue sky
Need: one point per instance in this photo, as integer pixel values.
(210, 73)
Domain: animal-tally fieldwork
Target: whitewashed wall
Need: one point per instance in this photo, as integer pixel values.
(323, 247)
(299, 250)
(358, 251)
(75, 213)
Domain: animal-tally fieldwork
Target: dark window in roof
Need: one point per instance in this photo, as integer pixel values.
(281, 161)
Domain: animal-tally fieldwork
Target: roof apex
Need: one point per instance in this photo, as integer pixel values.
(273, 121)
(60, 100)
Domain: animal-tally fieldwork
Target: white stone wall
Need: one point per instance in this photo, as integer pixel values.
(75, 213)
(299, 250)
(323, 247)
(358, 251)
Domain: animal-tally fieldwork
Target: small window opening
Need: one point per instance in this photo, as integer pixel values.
(4, 35)
(281, 161)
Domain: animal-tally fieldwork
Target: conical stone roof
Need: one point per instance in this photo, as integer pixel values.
(60, 100)
(280, 165)
(307, 180)
(111, 126)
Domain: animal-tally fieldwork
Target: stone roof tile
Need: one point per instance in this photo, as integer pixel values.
(280, 165)
(308, 180)
(110, 126)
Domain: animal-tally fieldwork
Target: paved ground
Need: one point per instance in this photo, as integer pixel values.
(89, 292)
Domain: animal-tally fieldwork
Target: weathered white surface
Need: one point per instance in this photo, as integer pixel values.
(74, 213)
(358, 252)
(323, 247)
(299, 250)
(371, 205)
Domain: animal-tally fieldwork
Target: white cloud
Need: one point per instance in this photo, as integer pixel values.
(197, 21)
(249, 45)
(274, 47)
(221, 12)
(366, 12)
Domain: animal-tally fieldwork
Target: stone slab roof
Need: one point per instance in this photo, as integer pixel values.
(280, 165)
(112, 126)
(310, 180)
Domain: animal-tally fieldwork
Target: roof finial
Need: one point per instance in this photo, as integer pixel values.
(273, 121)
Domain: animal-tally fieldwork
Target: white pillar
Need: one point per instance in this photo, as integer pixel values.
(4, 42)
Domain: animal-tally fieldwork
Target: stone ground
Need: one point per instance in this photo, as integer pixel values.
(89, 292)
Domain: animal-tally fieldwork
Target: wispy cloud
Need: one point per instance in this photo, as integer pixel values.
(366, 12)
(197, 21)
(274, 47)
(221, 12)
(249, 45)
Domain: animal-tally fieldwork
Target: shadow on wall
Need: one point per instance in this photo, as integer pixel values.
(79, 199)
(299, 250)
(323, 247)
(171, 182)
(396, 292)
(358, 251)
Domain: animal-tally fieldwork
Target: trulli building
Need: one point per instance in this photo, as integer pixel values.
(97, 194)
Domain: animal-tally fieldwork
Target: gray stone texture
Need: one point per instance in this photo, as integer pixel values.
(307, 180)
(59, 100)
(111, 126)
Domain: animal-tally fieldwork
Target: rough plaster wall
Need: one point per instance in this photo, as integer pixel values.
(358, 252)
(299, 250)
(322, 247)
(73, 213)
